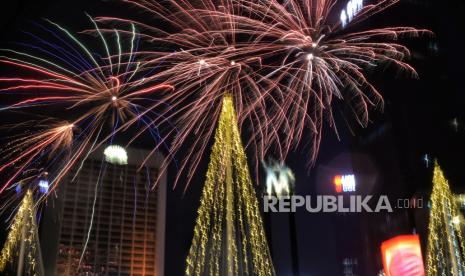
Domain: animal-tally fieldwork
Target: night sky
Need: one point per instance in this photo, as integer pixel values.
(416, 121)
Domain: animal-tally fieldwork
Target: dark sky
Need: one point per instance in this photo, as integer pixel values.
(416, 120)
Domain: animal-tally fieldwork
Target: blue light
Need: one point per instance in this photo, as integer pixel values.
(43, 186)
(18, 188)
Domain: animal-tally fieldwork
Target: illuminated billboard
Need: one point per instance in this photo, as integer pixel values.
(402, 256)
(279, 179)
(352, 9)
(344, 183)
(43, 186)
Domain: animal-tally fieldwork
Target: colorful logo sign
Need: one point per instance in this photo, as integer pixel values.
(344, 183)
(279, 179)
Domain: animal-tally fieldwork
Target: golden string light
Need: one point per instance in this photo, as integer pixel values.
(22, 245)
(229, 238)
(446, 249)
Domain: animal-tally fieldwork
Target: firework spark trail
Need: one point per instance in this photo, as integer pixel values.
(103, 90)
(285, 63)
(103, 168)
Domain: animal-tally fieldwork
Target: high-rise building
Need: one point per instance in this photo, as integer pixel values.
(107, 218)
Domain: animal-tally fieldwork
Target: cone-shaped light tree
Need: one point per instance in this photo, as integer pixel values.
(21, 252)
(229, 238)
(445, 255)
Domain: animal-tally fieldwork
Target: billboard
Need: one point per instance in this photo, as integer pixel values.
(344, 183)
(279, 179)
(402, 256)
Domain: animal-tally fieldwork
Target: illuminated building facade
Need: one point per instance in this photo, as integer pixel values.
(128, 227)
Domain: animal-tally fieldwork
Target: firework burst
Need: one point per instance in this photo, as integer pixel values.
(208, 62)
(108, 93)
(315, 59)
(284, 63)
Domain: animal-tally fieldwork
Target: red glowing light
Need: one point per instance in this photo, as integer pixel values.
(338, 183)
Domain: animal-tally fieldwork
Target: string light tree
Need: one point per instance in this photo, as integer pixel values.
(22, 247)
(446, 248)
(229, 237)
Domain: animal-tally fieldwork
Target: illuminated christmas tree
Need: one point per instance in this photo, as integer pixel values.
(229, 238)
(445, 255)
(21, 252)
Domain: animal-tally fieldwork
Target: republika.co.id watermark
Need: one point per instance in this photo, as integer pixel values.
(337, 204)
